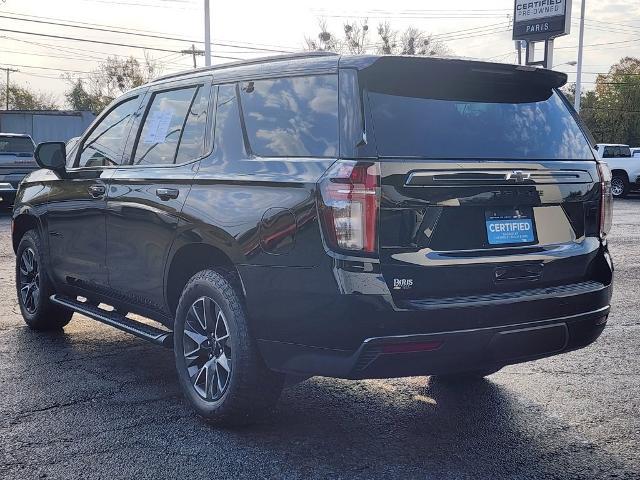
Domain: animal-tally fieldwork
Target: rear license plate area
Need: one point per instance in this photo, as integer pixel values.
(513, 226)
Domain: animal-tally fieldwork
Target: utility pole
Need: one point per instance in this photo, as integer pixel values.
(194, 52)
(207, 35)
(576, 103)
(8, 70)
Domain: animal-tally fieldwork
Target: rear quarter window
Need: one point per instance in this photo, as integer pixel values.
(292, 117)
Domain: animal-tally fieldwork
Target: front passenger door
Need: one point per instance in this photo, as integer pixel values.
(77, 201)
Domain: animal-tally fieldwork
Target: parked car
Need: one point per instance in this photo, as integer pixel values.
(345, 216)
(16, 161)
(624, 165)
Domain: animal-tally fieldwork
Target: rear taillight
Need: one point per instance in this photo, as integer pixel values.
(606, 200)
(349, 203)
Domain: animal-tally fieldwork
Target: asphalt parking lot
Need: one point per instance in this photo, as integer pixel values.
(92, 402)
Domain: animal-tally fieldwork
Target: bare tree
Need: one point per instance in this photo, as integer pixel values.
(325, 40)
(355, 37)
(355, 40)
(387, 36)
(416, 42)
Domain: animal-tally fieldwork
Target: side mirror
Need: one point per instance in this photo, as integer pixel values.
(52, 155)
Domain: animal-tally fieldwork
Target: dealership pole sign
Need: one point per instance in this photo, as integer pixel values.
(541, 21)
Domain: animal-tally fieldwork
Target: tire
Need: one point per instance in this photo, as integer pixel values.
(620, 185)
(465, 377)
(33, 287)
(219, 367)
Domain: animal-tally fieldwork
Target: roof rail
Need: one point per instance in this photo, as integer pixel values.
(252, 61)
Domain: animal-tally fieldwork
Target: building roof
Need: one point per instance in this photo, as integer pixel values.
(21, 135)
(46, 112)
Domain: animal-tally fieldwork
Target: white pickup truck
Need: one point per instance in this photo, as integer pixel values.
(625, 167)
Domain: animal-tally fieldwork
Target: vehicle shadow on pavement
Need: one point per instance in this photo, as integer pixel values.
(91, 401)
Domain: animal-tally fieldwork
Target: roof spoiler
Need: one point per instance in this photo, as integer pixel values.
(442, 66)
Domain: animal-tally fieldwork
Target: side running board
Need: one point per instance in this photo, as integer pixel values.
(114, 319)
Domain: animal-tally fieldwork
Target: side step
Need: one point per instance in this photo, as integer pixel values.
(114, 319)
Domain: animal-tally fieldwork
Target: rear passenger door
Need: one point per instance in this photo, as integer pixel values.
(147, 194)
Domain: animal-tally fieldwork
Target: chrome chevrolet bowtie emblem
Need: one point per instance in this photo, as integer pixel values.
(518, 175)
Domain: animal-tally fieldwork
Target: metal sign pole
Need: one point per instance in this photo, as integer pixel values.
(207, 35)
(578, 92)
(548, 53)
(530, 54)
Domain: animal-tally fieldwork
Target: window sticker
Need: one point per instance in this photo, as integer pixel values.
(158, 126)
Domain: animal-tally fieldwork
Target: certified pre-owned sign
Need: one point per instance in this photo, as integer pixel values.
(541, 19)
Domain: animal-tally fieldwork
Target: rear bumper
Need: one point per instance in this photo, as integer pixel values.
(329, 320)
(441, 353)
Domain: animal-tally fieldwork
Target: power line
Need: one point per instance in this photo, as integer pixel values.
(602, 44)
(46, 68)
(466, 33)
(103, 42)
(136, 4)
(124, 32)
(415, 17)
(436, 35)
(236, 44)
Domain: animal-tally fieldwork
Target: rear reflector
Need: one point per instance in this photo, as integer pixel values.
(411, 347)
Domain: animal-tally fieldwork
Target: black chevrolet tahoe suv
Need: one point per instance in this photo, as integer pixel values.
(315, 214)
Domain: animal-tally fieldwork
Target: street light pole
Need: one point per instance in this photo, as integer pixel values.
(576, 103)
(9, 70)
(207, 35)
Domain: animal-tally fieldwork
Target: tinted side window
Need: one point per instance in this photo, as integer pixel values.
(105, 144)
(192, 141)
(228, 139)
(292, 117)
(163, 126)
(608, 152)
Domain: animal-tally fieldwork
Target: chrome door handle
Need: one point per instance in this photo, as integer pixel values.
(167, 193)
(97, 191)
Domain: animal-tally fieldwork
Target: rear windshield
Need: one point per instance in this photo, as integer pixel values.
(616, 151)
(15, 145)
(471, 123)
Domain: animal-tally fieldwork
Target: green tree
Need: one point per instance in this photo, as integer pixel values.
(80, 99)
(612, 109)
(24, 98)
(617, 110)
(112, 78)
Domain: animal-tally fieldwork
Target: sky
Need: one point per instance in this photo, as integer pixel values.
(612, 31)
